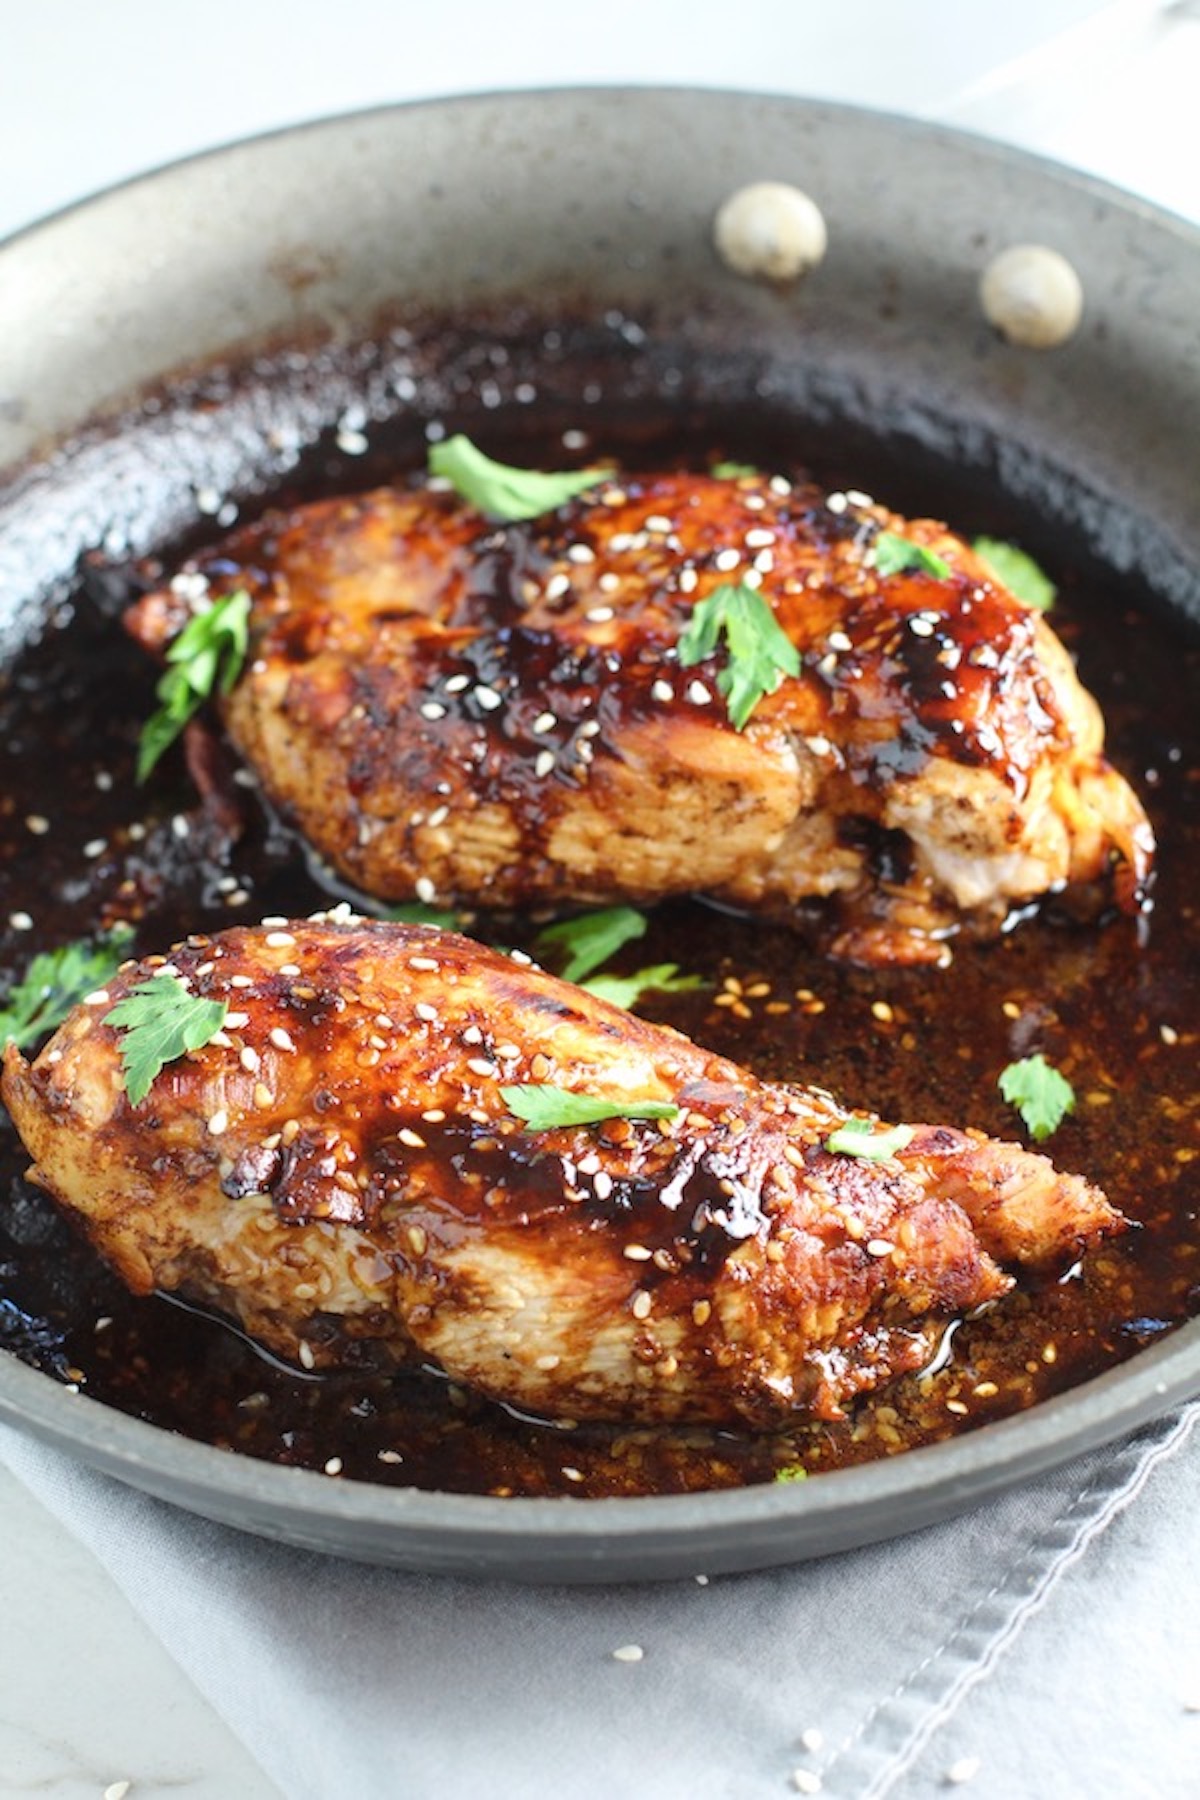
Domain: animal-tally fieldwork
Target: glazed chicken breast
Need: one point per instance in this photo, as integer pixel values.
(460, 711)
(346, 1162)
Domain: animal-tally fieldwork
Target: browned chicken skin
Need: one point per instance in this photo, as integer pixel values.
(461, 711)
(340, 1165)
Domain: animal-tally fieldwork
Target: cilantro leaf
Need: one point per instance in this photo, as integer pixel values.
(894, 554)
(759, 651)
(792, 1472)
(627, 990)
(205, 658)
(731, 471)
(56, 981)
(159, 1020)
(858, 1137)
(500, 490)
(591, 939)
(1018, 572)
(1040, 1094)
(543, 1107)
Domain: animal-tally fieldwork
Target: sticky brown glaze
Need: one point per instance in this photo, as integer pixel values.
(340, 1164)
(449, 708)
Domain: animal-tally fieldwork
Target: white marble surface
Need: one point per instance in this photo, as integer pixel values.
(91, 94)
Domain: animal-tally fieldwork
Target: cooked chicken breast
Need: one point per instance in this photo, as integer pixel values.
(343, 1163)
(456, 710)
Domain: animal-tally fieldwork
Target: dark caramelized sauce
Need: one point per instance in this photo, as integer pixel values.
(1114, 1006)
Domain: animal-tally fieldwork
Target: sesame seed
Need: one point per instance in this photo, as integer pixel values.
(438, 816)
(95, 847)
(957, 1406)
(628, 1653)
(599, 615)
(662, 690)
(836, 503)
(725, 560)
(262, 1095)
(434, 1115)
(249, 1059)
(637, 1253)
(580, 553)
(590, 728)
(479, 1065)
(656, 522)
(488, 698)
(36, 823)
(412, 1138)
(456, 684)
(1168, 1034)
(417, 1239)
(432, 709)
(812, 1740)
(547, 1362)
(543, 764)
(962, 1771)
(806, 1781)
(641, 1304)
(837, 640)
(99, 997)
(426, 1012)
(240, 981)
(879, 1247)
(920, 626)
(280, 1038)
(472, 1035)
(389, 1456)
(608, 582)
(117, 1790)
(698, 694)
(544, 722)
(507, 1052)
(686, 581)
(219, 1123)
(424, 889)
(882, 1011)
(20, 921)
(235, 1020)
(759, 538)
(334, 1466)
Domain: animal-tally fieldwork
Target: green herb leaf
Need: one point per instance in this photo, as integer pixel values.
(759, 651)
(206, 658)
(1040, 1094)
(159, 1020)
(415, 912)
(894, 554)
(627, 990)
(56, 981)
(500, 490)
(792, 1472)
(543, 1107)
(732, 471)
(590, 939)
(858, 1137)
(1018, 572)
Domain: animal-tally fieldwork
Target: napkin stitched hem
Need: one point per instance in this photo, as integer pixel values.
(868, 1763)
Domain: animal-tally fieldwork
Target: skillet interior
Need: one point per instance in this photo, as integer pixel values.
(435, 230)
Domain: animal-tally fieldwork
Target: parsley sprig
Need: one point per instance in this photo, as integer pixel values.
(206, 658)
(590, 939)
(858, 1137)
(1018, 572)
(1040, 1094)
(542, 1107)
(56, 981)
(627, 990)
(501, 491)
(894, 554)
(159, 1021)
(759, 652)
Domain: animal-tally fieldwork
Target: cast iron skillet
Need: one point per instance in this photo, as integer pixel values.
(192, 330)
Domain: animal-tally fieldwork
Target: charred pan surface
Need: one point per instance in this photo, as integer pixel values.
(496, 714)
(339, 1167)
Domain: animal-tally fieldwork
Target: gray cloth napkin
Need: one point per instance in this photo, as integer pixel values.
(888, 1671)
